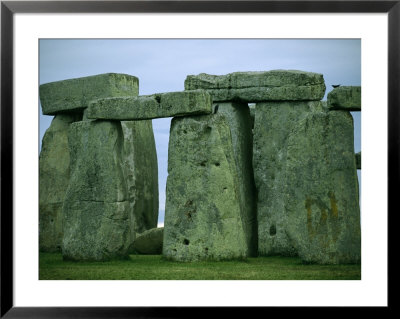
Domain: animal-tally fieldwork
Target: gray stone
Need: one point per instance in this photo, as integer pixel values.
(112, 193)
(345, 98)
(274, 122)
(252, 108)
(54, 170)
(149, 242)
(358, 160)
(75, 94)
(152, 106)
(210, 209)
(288, 85)
(321, 189)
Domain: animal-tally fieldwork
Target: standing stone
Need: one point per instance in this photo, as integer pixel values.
(142, 172)
(54, 173)
(209, 208)
(274, 122)
(321, 193)
(111, 189)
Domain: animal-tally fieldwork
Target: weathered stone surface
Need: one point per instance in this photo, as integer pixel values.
(142, 178)
(210, 209)
(358, 160)
(345, 98)
(75, 94)
(113, 192)
(274, 122)
(152, 106)
(288, 85)
(306, 182)
(321, 193)
(54, 170)
(149, 242)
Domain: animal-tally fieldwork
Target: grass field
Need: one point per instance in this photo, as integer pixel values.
(141, 267)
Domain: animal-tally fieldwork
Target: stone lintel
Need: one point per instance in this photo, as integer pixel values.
(276, 85)
(345, 98)
(73, 95)
(159, 105)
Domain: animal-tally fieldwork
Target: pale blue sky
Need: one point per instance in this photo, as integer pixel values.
(163, 64)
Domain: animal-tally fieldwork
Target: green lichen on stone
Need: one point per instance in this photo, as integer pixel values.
(306, 181)
(152, 106)
(149, 242)
(288, 85)
(205, 215)
(321, 189)
(75, 94)
(54, 171)
(345, 98)
(274, 122)
(112, 193)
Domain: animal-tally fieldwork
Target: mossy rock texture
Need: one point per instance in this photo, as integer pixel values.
(54, 171)
(210, 210)
(274, 122)
(345, 98)
(321, 193)
(149, 242)
(306, 181)
(275, 85)
(151, 106)
(113, 192)
(75, 94)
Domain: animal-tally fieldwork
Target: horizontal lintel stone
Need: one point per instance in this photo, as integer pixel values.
(345, 98)
(145, 107)
(276, 85)
(74, 95)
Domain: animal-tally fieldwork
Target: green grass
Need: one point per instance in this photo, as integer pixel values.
(140, 267)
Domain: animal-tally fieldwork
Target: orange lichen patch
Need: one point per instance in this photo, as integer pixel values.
(334, 208)
(307, 205)
(324, 216)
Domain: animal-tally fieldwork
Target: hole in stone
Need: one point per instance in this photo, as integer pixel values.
(272, 230)
(216, 108)
(186, 241)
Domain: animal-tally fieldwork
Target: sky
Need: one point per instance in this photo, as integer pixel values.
(163, 64)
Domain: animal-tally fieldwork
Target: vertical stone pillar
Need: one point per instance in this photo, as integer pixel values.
(210, 209)
(54, 170)
(307, 184)
(273, 124)
(113, 191)
(321, 193)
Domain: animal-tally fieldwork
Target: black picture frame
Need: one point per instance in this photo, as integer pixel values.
(9, 8)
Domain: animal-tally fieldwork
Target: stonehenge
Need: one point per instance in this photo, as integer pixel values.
(258, 165)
